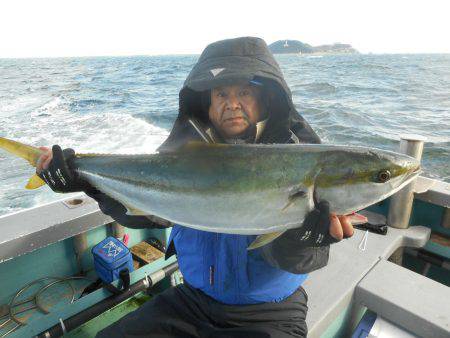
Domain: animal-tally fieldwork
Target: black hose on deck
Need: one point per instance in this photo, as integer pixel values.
(96, 309)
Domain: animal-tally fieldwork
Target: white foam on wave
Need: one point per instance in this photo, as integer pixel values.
(120, 134)
(11, 105)
(53, 123)
(48, 107)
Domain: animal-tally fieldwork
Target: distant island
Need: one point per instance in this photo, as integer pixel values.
(298, 47)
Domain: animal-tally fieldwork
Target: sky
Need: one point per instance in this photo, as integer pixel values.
(47, 28)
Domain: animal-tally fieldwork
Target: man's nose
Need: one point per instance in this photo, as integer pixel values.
(233, 102)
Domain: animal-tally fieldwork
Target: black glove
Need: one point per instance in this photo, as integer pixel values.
(315, 230)
(59, 176)
(305, 249)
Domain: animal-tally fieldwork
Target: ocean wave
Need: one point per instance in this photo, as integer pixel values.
(86, 103)
(105, 132)
(311, 111)
(163, 119)
(159, 81)
(20, 104)
(316, 88)
(96, 78)
(365, 89)
(375, 66)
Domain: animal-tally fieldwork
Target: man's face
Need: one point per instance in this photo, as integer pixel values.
(234, 108)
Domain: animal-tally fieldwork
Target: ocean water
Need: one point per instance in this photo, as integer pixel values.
(128, 104)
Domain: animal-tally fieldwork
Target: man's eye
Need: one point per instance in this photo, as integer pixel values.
(244, 93)
(221, 94)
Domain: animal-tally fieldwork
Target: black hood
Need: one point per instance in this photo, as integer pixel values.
(230, 61)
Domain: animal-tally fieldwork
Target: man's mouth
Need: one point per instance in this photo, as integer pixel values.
(235, 122)
(234, 119)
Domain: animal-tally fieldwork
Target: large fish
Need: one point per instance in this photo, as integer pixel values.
(241, 189)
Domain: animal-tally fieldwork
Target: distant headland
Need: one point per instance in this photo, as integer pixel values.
(298, 47)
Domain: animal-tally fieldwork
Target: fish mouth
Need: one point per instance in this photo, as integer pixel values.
(409, 178)
(413, 174)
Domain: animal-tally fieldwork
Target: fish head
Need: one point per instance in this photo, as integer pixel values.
(352, 178)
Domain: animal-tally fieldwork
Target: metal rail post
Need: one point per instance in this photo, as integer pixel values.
(400, 206)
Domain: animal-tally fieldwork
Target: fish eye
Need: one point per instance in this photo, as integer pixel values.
(383, 176)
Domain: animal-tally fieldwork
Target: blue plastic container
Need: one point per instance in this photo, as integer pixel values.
(110, 257)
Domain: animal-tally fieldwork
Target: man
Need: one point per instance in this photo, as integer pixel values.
(234, 94)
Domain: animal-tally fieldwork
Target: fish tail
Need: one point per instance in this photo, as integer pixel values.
(28, 153)
(34, 182)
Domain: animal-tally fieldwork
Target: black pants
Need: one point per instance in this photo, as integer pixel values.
(186, 312)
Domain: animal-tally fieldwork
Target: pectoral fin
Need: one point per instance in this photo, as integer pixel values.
(262, 240)
(297, 194)
(34, 182)
(131, 211)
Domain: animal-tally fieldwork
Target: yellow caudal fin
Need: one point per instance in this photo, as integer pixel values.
(262, 240)
(34, 182)
(28, 153)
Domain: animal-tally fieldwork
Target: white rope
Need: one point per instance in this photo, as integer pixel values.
(363, 244)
